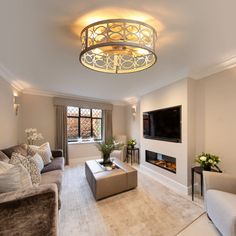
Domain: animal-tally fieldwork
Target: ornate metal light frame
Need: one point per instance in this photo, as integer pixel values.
(118, 46)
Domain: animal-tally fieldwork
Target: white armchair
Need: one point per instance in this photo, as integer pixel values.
(120, 154)
(220, 201)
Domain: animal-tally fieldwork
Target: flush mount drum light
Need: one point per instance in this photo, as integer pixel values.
(118, 46)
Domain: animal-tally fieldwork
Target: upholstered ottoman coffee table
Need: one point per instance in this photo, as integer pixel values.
(105, 183)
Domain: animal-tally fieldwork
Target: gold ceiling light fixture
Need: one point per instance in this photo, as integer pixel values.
(118, 46)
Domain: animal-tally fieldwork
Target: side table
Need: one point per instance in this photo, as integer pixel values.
(199, 170)
(131, 152)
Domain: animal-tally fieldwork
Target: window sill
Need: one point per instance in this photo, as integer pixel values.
(84, 142)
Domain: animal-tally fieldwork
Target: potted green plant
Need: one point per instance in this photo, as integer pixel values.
(132, 142)
(207, 160)
(107, 147)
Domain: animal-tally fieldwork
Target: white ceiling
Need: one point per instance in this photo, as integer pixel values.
(39, 50)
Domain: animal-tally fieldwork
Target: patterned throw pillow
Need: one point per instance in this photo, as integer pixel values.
(30, 165)
(39, 161)
(44, 151)
(14, 178)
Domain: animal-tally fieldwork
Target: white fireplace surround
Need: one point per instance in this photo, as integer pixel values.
(179, 93)
(172, 184)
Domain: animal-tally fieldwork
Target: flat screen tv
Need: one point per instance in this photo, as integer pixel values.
(163, 124)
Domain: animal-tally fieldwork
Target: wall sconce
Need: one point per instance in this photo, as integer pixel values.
(133, 110)
(16, 104)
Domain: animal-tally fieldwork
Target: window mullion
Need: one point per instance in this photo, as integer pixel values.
(91, 122)
(79, 132)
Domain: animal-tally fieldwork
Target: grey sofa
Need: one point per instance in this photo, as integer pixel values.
(220, 201)
(33, 211)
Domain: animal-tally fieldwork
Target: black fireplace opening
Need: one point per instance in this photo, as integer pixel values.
(161, 160)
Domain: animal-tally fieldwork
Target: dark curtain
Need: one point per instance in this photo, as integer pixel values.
(108, 124)
(61, 131)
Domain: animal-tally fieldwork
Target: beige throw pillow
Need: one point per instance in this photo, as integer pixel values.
(44, 151)
(14, 178)
(29, 163)
(4, 167)
(39, 161)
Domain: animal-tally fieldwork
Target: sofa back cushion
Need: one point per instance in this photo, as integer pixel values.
(21, 148)
(4, 157)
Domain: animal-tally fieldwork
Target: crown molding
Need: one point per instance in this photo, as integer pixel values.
(10, 78)
(215, 68)
(17, 86)
(4, 73)
(38, 92)
(21, 86)
(132, 100)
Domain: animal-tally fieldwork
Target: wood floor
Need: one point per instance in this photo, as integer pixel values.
(201, 226)
(150, 209)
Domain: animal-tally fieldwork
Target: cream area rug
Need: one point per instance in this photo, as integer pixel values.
(150, 209)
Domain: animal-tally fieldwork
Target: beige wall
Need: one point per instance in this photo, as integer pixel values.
(209, 115)
(77, 150)
(172, 95)
(133, 122)
(119, 120)
(216, 117)
(8, 118)
(38, 112)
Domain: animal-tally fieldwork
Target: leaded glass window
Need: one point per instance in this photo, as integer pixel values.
(97, 113)
(85, 128)
(85, 112)
(84, 124)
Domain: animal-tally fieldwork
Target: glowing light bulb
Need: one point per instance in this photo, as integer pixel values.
(142, 51)
(97, 51)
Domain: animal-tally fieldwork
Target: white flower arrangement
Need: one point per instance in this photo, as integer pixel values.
(132, 142)
(207, 160)
(33, 136)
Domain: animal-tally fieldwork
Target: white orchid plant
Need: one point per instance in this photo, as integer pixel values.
(33, 136)
(207, 159)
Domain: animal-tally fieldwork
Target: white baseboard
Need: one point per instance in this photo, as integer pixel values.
(170, 183)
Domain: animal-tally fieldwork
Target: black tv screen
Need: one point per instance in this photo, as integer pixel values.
(163, 124)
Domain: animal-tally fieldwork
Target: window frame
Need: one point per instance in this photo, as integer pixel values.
(91, 122)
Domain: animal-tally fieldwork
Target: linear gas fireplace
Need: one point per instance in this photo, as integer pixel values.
(161, 160)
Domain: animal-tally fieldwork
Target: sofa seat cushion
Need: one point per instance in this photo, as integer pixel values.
(52, 177)
(56, 164)
(221, 208)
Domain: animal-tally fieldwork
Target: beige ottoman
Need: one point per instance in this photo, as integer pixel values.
(104, 183)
